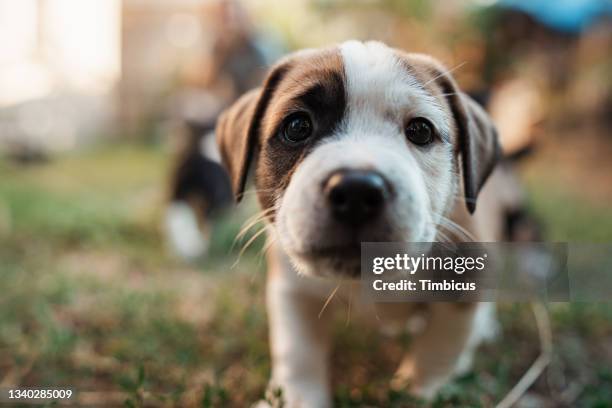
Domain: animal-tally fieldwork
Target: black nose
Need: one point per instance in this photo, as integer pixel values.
(356, 196)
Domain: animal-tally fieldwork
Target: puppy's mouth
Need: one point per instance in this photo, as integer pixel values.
(349, 251)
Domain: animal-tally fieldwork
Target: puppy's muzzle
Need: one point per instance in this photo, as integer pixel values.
(356, 197)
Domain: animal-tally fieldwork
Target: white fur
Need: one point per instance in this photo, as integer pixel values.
(381, 98)
(379, 86)
(183, 232)
(209, 148)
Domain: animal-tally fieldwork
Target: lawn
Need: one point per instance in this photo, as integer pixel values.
(92, 300)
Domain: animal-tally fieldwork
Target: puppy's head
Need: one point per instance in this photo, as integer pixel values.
(356, 143)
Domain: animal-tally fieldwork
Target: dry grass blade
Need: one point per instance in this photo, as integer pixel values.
(14, 376)
(537, 368)
(329, 298)
(350, 302)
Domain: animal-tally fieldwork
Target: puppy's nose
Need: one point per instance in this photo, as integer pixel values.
(356, 196)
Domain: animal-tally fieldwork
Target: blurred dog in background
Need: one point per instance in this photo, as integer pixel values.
(199, 187)
(200, 190)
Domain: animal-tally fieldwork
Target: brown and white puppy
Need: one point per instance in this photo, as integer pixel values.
(360, 142)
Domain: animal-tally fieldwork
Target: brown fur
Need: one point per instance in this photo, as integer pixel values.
(299, 83)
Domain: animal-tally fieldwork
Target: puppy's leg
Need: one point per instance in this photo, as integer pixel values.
(299, 341)
(484, 329)
(438, 350)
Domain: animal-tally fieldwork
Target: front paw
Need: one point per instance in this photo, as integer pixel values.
(405, 380)
(273, 399)
(421, 392)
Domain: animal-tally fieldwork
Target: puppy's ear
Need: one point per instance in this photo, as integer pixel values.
(478, 141)
(238, 128)
(480, 149)
(236, 139)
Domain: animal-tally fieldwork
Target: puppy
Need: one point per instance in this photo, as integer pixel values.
(360, 143)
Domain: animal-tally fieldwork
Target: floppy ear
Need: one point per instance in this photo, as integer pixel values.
(238, 128)
(478, 141)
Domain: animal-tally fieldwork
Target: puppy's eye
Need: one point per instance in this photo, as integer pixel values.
(297, 128)
(419, 131)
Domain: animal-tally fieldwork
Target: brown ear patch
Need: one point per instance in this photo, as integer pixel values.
(238, 126)
(232, 137)
(311, 82)
(315, 86)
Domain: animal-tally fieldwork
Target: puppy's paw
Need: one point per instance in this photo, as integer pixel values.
(406, 379)
(486, 327)
(465, 362)
(421, 391)
(272, 399)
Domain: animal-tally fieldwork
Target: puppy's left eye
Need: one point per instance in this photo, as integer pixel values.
(419, 131)
(297, 128)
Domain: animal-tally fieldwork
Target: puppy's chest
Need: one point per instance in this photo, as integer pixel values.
(387, 316)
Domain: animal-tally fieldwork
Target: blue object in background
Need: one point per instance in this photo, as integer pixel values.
(571, 16)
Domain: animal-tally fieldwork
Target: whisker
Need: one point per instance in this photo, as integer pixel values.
(248, 243)
(261, 213)
(445, 238)
(448, 229)
(262, 253)
(268, 245)
(454, 228)
(445, 73)
(451, 225)
(253, 238)
(250, 223)
(256, 191)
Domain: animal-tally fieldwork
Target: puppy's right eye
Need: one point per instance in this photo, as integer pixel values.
(420, 131)
(297, 128)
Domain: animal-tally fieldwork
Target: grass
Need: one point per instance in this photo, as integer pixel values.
(92, 300)
(568, 218)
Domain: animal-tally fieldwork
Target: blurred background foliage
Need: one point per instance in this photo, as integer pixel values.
(93, 97)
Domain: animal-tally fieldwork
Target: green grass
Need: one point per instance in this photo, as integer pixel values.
(92, 300)
(567, 216)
